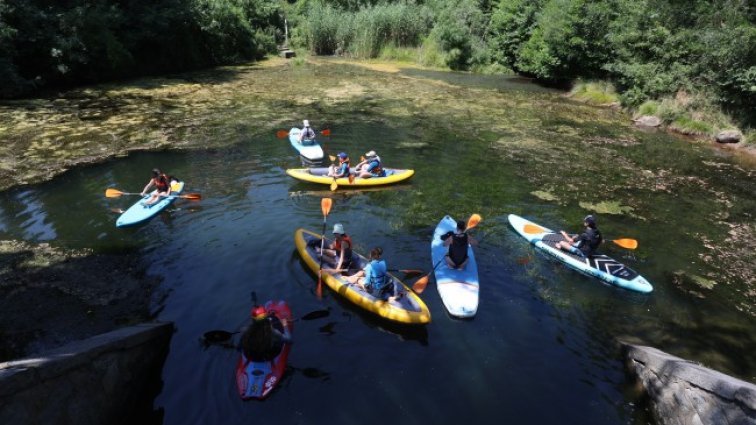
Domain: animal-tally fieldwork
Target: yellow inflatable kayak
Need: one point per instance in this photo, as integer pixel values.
(408, 309)
(320, 175)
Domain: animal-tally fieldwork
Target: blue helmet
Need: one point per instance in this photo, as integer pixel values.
(343, 155)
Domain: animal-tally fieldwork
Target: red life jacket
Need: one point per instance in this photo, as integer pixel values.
(162, 183)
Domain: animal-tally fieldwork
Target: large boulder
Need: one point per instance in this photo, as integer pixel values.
(729, 136)
(647, 121)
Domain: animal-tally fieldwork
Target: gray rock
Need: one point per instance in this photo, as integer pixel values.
(647, 121)
(729, 136)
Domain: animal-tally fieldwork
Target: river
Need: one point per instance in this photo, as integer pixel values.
(543, 346)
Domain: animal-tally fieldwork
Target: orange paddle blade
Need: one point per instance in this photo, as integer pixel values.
(325, 206)
(626, 243)
(326, 132)
(421, 284)
(351, 178)
(319, 288)
(334, 186)
(533, 229)
(193, 196)
(473, 221)
(113, 193)
(332, 158)
(282, 133)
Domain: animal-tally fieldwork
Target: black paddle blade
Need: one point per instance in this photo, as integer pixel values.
(317, 314)
(217, 336)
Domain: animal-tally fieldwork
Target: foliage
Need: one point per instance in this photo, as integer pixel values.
(595, 92)
(459, 31)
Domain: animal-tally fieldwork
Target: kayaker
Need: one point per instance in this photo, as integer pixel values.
(263, 338)
(585, 244)
(373, 278)
(457, 242)
(370, 167)
(340, 250)
(342, 170)
(307, 134)
(162, 183)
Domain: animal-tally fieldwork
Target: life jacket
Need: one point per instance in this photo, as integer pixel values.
(458, 247)
(590, 241)
(344, 166)
(162, 183)
(377, 277)
(347, 249)
(308, 133)
(374, 167)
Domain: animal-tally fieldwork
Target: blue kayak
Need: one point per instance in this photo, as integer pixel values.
(139, 212)
(309, 150)
(601, 266)
(458, 288)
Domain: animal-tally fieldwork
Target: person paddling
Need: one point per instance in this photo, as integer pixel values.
(457, 242)
(370, 167)
(162, 183)
(307, 135)
(342, 170)
(374, 278)
(340, 250)
(585, 244)
(263, 338)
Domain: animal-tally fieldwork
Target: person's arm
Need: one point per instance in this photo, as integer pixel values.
(146, 188)
(567, 237)
(341, 257)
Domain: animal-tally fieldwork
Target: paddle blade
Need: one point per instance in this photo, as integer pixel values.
(282, 133)
(421, 284)
(325, 206)
(117, 210)
(319, 288)
(626, 243)
(332, 158)
(334, 186)
(408, 271)
(473, 221)
(113, 193)
(317, 314)
(326, 132)
(533, 229)
(351, 178)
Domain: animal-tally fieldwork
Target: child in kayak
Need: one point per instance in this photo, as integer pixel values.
(162, 183)
(263, 339)
(370, 167)
(307, 135)
(342, 170)
(585, 244)
(373, 278)
(340, 250)
(457, 242)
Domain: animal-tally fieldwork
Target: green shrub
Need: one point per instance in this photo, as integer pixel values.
(595, 92)
(649, 107)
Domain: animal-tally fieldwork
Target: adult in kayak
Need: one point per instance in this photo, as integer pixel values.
(342, 170)
(339, 252)
(370, 167)
(307, 135)
(584, 244)
(263, 338)
(457, 242)
(373, 278)
(162, 183)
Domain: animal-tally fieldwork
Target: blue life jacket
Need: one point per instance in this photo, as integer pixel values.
(374, 168)
(375, 275)
(343, 170)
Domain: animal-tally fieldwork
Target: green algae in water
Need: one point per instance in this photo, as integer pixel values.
(607, 207)
(546, 196)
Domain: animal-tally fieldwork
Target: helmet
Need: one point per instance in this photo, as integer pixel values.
(343, 155)
(258, 312)
(590, 219)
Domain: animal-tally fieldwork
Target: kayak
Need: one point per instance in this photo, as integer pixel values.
(408, 308)
(139, 212)
(600, 266)
(320, 175)
(256, 378)
(458, 288)
(309, 150)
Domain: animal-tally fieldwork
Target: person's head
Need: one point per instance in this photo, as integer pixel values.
(376, 253)
(371, 155)
(258, 313)
(461, 226)
(306, 123)
(590, 221)
(343, 157)
(338, 230)
(156, 172)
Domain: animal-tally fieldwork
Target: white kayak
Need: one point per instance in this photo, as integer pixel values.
(459, 289)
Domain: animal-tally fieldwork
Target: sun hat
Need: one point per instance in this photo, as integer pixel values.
(590, 219)
(338, 228)
(306, 123)
(371, 154)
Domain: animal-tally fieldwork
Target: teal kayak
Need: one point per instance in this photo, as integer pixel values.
(309, 150)
(458, 288)
(601, 266)
(139, 213)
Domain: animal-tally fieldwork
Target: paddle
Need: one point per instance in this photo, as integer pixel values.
(218, 336)
(624, 243)
(420, 285)
(285, 133)
(325, 207)
(115, 193)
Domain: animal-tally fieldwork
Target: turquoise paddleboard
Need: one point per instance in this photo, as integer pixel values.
(139, 213)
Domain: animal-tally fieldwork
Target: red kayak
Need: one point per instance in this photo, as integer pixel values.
(265, 348)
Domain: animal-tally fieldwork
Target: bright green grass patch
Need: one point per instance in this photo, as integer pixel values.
(649, 107)
(595, 92)
(399, 54)
(687, 125)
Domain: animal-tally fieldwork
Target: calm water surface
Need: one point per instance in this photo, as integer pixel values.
(542, 348)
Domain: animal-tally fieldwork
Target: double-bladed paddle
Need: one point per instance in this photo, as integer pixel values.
(285, 133)
(218, 336)
(420, 285)
(626, 243)
(115, 193)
